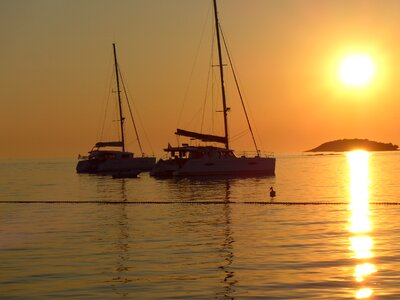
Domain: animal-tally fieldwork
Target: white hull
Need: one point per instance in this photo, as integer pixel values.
(206, 166)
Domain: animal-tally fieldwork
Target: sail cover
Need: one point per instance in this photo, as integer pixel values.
(201, 136)
(109, 144)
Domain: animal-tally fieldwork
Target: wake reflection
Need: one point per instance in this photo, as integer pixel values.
(227, 248)
(216, 189)
(120, 221)
(361, 242)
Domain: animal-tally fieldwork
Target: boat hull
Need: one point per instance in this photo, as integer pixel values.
(235, 166)
(115, 166)
(165, 168)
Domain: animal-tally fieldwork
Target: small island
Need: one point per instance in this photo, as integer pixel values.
(354, 144)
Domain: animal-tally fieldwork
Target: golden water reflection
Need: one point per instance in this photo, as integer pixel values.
(361, 243)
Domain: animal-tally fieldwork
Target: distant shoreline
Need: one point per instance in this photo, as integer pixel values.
(354, 144)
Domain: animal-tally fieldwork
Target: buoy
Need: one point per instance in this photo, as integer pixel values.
(272, 193)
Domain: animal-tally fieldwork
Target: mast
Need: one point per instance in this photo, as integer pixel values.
(221, 71)
(121, 118)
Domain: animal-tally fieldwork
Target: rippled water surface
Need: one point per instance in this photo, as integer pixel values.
(229, 248)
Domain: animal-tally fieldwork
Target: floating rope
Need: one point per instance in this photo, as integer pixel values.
(189, 202)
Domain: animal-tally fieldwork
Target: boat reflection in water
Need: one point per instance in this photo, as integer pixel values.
(361, 243)
(116, 220)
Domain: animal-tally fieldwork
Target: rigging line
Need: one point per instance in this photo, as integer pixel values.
(143, 129)
(109, 92)
(121, 117)
(213, 83)
(208, 82)
(116, 112)
(145, 133)
(239, 91)
(217, 119)
(259, 138)
(193, 67)
(104, 118)
(194, 119)
(239, 135)
(130, 111)
(140, 121)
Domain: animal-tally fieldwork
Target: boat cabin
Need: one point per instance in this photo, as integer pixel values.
(101, 155)
(195, 152)
(109, 154)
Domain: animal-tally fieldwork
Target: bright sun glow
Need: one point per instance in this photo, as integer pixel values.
(357, 70)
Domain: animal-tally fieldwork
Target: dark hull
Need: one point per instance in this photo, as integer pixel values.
(115, 166)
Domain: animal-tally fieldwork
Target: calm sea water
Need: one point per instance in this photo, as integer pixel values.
(227, 249)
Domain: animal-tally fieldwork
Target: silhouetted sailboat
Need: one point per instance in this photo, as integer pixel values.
(186, 160)
(119, 163)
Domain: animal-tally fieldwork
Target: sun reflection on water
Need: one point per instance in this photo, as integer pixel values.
(359, 223)
(364, 293)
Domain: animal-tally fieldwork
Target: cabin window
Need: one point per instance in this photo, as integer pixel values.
(227, 154)
(182, 154)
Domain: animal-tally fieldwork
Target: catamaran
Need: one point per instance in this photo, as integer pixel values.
(187, 160)
(102, 159)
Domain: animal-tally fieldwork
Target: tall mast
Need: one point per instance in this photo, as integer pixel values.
(121, 118)
(221, 70)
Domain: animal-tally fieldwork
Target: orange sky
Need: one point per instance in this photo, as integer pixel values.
(56, 62)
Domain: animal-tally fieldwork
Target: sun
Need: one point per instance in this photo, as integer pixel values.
(357, 70)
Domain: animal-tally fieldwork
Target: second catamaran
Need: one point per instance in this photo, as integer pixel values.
(118, 163)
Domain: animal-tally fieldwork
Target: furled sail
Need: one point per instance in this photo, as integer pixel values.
(109, 144)
(201, 136)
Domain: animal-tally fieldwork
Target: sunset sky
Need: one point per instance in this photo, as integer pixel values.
(56, 65)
